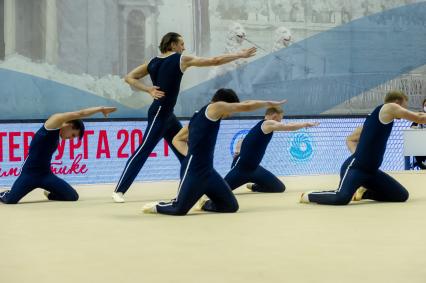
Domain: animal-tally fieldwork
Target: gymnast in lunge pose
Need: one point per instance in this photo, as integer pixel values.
(35, 172)
(368, 145)
(197, 141)
(166, 72)
(246, 164)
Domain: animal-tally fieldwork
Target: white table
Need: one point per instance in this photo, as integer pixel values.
(414, 144)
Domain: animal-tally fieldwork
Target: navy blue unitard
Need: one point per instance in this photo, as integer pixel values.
(36, 171)
(162, 123)
(198, 177)
(362, 169)
(246, 166)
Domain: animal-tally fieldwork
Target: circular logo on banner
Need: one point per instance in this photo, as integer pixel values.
(301, 147)
(238, 136)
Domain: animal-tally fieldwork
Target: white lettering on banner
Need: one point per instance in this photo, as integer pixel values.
(101, 155)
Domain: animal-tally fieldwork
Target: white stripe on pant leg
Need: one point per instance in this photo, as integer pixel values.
(183, 179)
(145, 139)
(165, 204)
(323, 193)
(344, 176)
(341, 183)
(238, 160)
(25, 161)
(23, 164)
(180, 185)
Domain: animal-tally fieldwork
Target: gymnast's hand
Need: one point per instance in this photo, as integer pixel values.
(155, 92)
(311, 124)
(276, 103)
(107, 110)
(246, 53)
